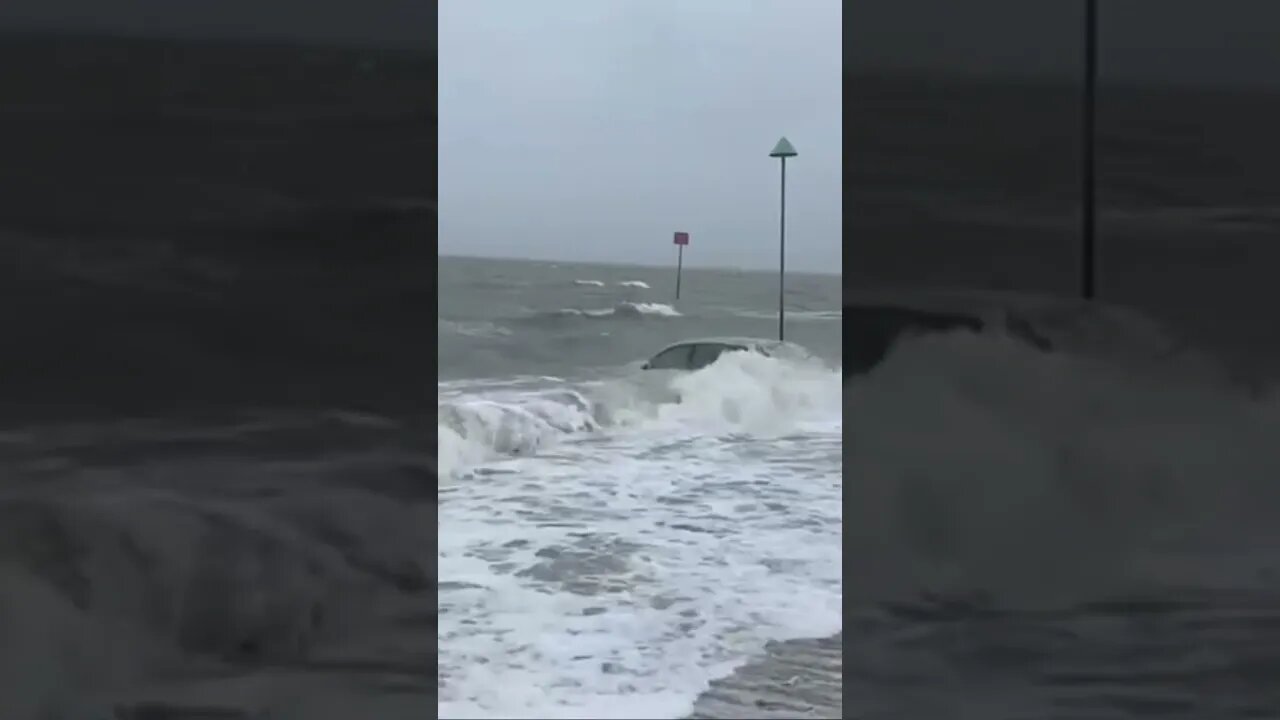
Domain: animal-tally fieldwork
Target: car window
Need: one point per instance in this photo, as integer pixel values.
(706, 353)
(674, 358)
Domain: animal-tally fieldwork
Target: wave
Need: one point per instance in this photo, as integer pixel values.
(740, 392)
(978, 466)
(589, 283)
(479, 329)
(1029, 465)
(622, 310)
(124, 575)
(474, 429)
(876, 320)
(792, 315)
(634, 284)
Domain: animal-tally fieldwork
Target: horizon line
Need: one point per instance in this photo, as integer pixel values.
(641, 264)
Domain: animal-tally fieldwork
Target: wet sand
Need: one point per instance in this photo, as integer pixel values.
(795, 679)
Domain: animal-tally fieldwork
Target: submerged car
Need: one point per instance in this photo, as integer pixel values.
(699, 353)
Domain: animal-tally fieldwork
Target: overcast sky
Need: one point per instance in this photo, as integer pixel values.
(592, 130)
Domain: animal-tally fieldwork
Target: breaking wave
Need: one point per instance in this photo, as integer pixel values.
(979, 467)
(740, 392)
(622, 310)
(114, 577)
(977, 464)
(479, 329)
(793, 315)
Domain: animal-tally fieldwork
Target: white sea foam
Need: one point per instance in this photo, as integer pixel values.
(640, 284)
(976, 463)
(793, 315)
(511, 422)
(120, 585)
(973, 461)
(484, 420)
(624, 564)
(589, 283)
(473, 329)
(624, 310)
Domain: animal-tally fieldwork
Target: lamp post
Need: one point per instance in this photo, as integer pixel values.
(1088, 154)
(782, 151)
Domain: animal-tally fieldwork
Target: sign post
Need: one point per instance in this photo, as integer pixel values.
(782, 151)
(681, 239)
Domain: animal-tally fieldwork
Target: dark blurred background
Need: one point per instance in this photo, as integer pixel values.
(207, 205)
(963, 152)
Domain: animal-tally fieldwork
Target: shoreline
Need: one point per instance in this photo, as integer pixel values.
(794, 679)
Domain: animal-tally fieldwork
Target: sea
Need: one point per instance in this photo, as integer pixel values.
(1001, 530)
(207, 508)
(217, 482)
(612, 540)
(1086, 532)
(216, 477)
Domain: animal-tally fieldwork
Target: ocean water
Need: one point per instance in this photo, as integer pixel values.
(607, 551)
(1083, 531)
(216, 482)
(1088, 533)
(1067, 535)
(206, 508)
(267, 565)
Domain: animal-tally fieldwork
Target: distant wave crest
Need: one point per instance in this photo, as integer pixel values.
(620, 311)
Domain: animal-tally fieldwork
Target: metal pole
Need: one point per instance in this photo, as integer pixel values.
(1088, 156)
(782, 250)
(679, 267)
(782, 151)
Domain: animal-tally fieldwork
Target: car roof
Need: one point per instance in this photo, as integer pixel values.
(724, 340)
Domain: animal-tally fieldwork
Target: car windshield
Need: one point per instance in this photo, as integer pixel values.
(705, 354)
(673, 358)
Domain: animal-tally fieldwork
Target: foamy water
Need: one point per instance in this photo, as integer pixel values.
(267, 567)
(623, 309)
(1027, 449)
(606, 551)
(1081, 533)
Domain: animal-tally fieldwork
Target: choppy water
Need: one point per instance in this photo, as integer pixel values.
(213, 498)
(270, 564)
(1059, 535)
(604, 550)
(216, 479)
(1088, 533)
(1081, 533)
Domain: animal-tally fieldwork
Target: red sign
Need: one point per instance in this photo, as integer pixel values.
(682, 238)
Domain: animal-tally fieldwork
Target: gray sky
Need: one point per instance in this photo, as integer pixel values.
(591, 130)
